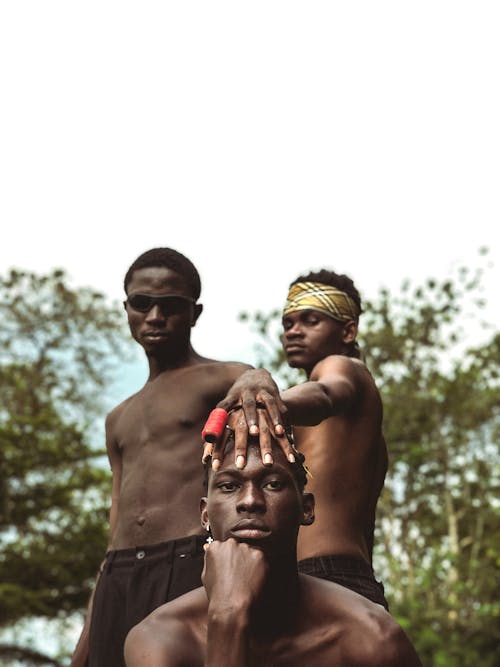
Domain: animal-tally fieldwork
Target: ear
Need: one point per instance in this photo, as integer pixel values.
(204, 513)
(196, 313)
(307, 509)
(349, 332)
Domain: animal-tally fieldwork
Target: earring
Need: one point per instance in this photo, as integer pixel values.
(209, 539)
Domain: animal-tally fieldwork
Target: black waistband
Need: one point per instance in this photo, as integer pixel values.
(190, 545)
(354, 564)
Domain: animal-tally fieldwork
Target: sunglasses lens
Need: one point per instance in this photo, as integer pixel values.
(172, 305)
(141, 302)
(169, 305)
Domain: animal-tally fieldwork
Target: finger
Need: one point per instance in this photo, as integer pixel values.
(218, 454)
(265, 441)
(226, 403)
(240, 441)
(277, 411)
(249, 407)
(288, 447)
(207, 451)
(204, 571)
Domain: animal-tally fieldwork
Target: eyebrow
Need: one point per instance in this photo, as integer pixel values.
(274, 469)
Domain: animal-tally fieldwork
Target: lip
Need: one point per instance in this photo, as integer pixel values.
(250, 529)
(291, 349)
(154, 335)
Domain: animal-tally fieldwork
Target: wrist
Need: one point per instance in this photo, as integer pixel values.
(228, 617)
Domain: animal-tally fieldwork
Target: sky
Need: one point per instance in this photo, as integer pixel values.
(262, 140)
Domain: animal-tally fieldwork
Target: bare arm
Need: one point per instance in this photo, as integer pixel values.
(231, 597)
(333, 388)
(151, 644)
(81, 653)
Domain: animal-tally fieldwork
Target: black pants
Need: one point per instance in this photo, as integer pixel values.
(134, 582)
(348, 571)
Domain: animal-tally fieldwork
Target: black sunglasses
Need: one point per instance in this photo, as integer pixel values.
(169, 304)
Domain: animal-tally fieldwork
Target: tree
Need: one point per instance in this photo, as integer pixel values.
(58, 349)
(437, 541)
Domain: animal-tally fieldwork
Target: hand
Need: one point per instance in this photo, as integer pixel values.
(233, 575)
(255, 401)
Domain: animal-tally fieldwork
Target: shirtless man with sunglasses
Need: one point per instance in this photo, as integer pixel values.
(155, 550)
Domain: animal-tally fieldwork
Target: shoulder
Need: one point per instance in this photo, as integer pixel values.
(168, 637)
(339, 362)
(380, 641)
(118, 410)
(341, 366)
(226, 372)
(234, 368)
(369, 635)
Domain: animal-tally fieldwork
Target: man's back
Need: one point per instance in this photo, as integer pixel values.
(347, 457)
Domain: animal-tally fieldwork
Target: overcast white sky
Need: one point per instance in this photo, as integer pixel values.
(261, 139)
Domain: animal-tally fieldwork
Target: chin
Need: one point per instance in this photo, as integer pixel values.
(293, 362)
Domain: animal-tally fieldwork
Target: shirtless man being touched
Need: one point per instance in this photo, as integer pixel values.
(153, 442)
(337, 420)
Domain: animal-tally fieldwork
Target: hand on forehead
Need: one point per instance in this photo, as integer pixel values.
(254, 452)
(254, 463)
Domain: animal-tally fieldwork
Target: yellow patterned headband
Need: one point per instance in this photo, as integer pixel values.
(317, 296)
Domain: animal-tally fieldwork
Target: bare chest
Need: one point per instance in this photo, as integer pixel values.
(163, 416)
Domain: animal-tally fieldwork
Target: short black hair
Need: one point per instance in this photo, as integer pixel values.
(298, 467)
(338, 280)
(170, 259)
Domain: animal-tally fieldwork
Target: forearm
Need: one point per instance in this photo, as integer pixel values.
(81, 652)
(307, 404)
(227, 638)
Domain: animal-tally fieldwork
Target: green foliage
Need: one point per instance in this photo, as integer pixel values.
(58, 346)
(438, 538)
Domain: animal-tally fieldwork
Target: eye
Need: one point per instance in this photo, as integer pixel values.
(274, 485)
(312, 319)
(227, 487)
(287, 324)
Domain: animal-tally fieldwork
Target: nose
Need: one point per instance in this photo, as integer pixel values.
(251, 499)
(155, 314)
(293, 330)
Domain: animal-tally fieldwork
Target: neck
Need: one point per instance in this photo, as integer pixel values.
(158, 363)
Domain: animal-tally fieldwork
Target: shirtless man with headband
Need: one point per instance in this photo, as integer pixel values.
(255, 608)
(337, 420)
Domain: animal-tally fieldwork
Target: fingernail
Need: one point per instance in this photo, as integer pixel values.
(291, 458)
(240, 461)
(254, 429)
(215, 464)
(268, 458)
(279, 430)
